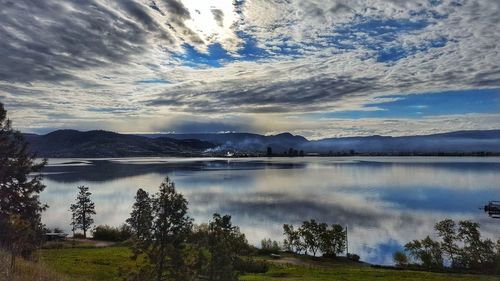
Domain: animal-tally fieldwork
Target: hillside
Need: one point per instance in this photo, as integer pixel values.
(72, 143)
(245, 142)
(453, 142)
(106, 264)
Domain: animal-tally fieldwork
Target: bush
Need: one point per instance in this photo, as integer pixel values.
(400, 259)
(251, 266)
(53, 245)
(353, 257)
(113, 234)
(78, 236)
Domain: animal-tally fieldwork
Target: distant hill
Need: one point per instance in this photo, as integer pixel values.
(72, 143)
(453, 142)
(244, 142)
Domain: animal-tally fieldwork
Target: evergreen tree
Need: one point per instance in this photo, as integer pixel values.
(141, 222)
(141, 217)
(269, 151)
(20, 186)
(171, 228)
(225, 242)
(83, 210)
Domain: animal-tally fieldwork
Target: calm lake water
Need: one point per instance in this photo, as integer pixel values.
(384, 201)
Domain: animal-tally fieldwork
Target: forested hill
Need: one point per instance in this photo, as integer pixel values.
(468, 142)
(72, 143)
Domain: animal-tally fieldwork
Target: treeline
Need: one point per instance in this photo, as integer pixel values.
(313, 237)
(460, 247)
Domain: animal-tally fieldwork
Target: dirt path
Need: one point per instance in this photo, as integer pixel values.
(291, 261)
(96, 243)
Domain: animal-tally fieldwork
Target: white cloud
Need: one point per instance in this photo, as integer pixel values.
(55, 76)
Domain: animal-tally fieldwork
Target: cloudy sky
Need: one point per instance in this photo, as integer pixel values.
(317, 68)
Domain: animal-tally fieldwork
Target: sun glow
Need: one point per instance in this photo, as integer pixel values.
(214, 21)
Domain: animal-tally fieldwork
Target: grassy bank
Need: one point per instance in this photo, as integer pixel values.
(107, 262)
(27, 271)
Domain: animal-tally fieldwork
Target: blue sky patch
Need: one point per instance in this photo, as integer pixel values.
(428, 104)
(373, 34)
(215, 57)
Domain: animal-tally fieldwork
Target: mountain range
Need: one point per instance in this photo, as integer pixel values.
(73, 143)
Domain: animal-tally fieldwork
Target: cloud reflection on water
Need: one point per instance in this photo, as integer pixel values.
(385, 202)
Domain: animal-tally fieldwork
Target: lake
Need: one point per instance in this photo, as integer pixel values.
(384, 201)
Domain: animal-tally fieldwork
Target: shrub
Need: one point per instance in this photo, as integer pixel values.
(251, 266)
(113, 234)
(78, 236)
(353, 257)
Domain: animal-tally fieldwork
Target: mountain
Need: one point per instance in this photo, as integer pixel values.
(243, 142)
(453, 142)
(72, 143)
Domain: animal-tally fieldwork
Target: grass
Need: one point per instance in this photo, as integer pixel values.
(104, 264)
(293, 267)
(27, 271)
(89, 263)
(285, 272)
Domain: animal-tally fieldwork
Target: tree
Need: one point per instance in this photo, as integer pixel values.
(447, 231)
(476, 253)
(171, 228)
(332, 240)
(82, 210)
(269, 246)
(225, 243)
(400, 259)
(141, 217)
(426, 251)
(292, 241)
(269, 151)
(311, 232)
(20, 185)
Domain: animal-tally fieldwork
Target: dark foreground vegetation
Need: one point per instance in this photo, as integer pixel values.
(160, 241)
(85, 262)
(460, 246)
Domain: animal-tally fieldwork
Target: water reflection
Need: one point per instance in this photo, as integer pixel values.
(385, 202)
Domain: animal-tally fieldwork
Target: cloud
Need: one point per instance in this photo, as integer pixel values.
(270, 58)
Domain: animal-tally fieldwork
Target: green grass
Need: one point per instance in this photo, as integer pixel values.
(89, 263)
(26, 270)
(103, 264)
(353, 273)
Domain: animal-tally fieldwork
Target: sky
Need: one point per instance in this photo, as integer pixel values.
(315, 68)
